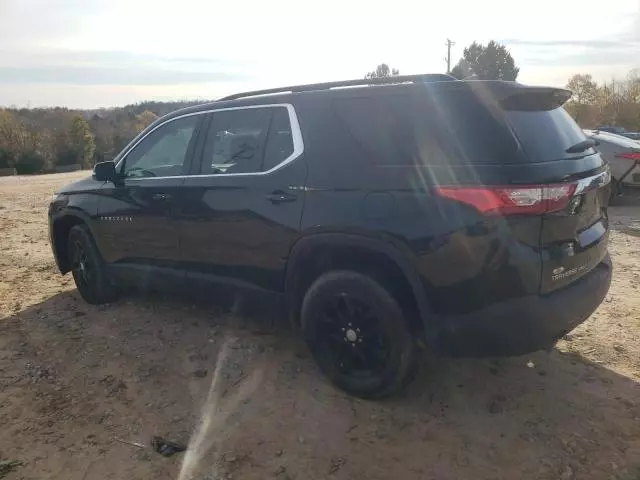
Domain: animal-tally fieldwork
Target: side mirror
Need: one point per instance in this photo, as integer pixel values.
(105, 172)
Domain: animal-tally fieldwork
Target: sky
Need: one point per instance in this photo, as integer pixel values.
(102, 53)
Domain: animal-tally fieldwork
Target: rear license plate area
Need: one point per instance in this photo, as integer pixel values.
(566, 263)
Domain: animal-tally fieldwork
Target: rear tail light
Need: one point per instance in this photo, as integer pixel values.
(513, 200)
(629, 155)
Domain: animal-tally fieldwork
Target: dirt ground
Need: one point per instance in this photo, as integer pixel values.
(76, 381)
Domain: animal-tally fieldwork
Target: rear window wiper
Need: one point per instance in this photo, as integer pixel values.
(583, 145)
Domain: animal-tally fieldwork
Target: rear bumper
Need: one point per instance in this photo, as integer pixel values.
(526, 324)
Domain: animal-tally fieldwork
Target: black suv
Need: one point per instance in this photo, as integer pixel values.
(469, 217)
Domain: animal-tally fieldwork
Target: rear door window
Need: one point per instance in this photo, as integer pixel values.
(247, 140)
(279, 141)
(236, 141)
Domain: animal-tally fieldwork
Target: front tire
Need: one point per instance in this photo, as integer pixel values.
(358, 334)
(88, 268)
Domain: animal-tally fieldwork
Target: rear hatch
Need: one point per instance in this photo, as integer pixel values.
(573, 239)
(550, 173)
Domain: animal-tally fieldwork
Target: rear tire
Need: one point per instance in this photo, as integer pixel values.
(88, 268)
(358, 334)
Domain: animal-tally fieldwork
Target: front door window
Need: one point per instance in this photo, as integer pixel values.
(163, 152)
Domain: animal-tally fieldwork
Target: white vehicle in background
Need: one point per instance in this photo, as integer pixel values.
(623, 156)
(619, 131)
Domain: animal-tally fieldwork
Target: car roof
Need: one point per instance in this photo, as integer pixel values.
(362, 87)
(291, 93)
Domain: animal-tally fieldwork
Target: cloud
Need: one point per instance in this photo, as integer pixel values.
(34, 22)
(112, 68)
(582, 57)
(86, 52)
(80, 75)
(615, 44)
(102, 57)
(576, 53)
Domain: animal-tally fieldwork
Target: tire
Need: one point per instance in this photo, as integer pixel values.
(88, 268)
(358, 334)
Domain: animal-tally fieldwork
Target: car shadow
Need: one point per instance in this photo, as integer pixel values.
(78, 377)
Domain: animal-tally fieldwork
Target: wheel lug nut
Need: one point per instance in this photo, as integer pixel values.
(344, 329)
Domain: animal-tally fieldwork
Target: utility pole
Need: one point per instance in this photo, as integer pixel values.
(449, 44)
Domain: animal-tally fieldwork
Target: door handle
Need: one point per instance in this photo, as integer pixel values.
(160, 197)
(280, 197)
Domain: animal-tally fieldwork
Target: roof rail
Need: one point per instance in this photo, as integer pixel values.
(422, 78)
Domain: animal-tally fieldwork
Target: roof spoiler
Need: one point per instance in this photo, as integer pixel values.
(535, 98)
(516, 96)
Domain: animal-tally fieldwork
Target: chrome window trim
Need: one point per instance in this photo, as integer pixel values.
(296, 136)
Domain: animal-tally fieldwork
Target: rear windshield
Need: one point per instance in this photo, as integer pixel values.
(546, 135)
(450, 128)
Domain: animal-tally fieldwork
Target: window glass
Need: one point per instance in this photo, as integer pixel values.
(163, 152)
(382, 126)
(236, 141)
(247, 140)
(446, 128)
(280, 140)
(466, 130)
(547, 134)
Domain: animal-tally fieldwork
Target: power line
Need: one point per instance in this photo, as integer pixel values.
(449, 44)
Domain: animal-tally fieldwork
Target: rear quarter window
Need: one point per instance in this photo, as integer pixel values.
(468, 131)
(382, 126)
(443, 128)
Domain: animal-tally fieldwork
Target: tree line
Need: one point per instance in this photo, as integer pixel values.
(616, 102)
(41, 139)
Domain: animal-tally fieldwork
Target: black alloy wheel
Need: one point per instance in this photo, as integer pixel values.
(357, 332)
(352, 335)
(81, 267)
(87, 267)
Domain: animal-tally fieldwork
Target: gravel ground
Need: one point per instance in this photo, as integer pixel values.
(78, 381)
